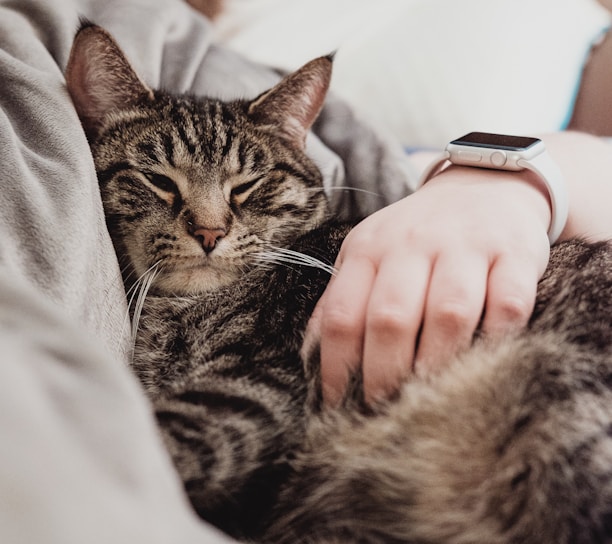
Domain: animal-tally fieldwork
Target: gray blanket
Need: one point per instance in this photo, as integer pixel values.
(80, 460)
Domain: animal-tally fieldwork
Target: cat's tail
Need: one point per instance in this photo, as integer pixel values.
(511, 444)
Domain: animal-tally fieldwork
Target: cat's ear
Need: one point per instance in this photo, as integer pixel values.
(100, 78)
(291, 107)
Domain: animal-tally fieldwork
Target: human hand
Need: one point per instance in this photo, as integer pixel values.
(416, 278)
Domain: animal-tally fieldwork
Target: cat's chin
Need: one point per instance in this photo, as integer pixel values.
(193, 281)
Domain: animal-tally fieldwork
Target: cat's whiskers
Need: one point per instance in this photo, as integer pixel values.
(345, 188)
(283, 256)
(139, 291)
(126, 269)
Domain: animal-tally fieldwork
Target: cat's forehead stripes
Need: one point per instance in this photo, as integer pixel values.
(192, 133)
(168, 142)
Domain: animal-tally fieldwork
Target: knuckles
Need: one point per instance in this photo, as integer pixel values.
(455, 318)
(389, 321)
(337, 325)
(513, 310)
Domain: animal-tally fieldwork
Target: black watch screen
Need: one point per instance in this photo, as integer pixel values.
(496, 141)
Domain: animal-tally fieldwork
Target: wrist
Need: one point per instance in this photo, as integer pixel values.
(524, 190)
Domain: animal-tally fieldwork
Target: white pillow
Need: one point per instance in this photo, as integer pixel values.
(431, 70)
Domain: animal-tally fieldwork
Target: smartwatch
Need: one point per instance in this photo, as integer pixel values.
(513, 153)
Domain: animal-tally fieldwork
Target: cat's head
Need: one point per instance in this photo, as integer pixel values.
(195, 187)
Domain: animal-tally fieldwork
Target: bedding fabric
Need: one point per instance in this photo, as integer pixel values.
(431, 70)
(80, 460)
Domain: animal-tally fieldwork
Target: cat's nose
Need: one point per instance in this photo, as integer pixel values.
(208, 237)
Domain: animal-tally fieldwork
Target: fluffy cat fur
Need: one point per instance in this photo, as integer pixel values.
(511, 443)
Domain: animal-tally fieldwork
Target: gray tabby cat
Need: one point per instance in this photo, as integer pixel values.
(511, 443)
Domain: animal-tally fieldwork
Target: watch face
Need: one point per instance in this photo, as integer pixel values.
(496, 141)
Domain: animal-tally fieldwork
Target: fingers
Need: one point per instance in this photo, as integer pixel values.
(462, 290)
(342, 324)
(455, 302)
(392, 323)
(372, 316)
(512, 287)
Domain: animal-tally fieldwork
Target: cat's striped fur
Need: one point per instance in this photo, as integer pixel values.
(513, 443)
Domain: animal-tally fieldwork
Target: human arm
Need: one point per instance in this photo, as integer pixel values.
(471, 243)
(586, 162)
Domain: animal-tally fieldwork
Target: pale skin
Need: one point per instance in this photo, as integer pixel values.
(416, 279)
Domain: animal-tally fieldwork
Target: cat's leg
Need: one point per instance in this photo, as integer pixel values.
(230, 437)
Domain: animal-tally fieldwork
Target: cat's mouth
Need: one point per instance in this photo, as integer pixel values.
(195, 275)
(192, 272)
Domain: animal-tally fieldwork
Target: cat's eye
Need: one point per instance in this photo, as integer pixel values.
(243, 188)
(162, 182)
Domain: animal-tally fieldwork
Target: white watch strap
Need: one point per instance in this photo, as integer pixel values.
(550, 174)
(545, 168)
